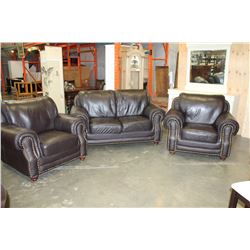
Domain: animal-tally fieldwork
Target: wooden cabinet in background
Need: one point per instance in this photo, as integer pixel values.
(162, 81)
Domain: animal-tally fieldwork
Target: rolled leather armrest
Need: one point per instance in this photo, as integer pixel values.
(175, 116)
(226, 119)
(13, 136)
(151, 111)
(82, 113)
(69, 123)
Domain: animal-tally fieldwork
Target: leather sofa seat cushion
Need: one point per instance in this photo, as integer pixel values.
(135, 123)
(200, 109)
(56, 142)
(199, 132)
(97, 103)
(131, 102)
(105, 126)
(37, 114)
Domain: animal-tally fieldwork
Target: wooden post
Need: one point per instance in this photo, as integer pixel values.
(117, 65)
(150, 69)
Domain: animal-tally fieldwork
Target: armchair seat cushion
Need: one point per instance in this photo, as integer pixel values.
(105, 126)
(56, 142)
(199, 132)
(135, 123)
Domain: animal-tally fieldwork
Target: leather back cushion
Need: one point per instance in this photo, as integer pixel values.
(201, 108)
(37, 114)
(131, 102)
(98, 103)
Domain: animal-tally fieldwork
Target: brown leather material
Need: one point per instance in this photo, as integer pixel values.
(98, 103)
(81, 113)
(198, 144)
(135, 123)
(29, 114)
(105, 126)
(199, 132)
(120, 138)
(226, 119)
(23, 148)
(201, 108)
(211, 129)
(54, 142)
(52, 161)
(128, 105)
(131, 102)
(199, 150)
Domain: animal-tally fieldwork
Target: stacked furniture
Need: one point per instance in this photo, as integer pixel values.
(200, 124)
(118, 116)
(35, 138)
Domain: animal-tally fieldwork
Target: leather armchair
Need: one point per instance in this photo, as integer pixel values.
(200, 124)
(35, 138)
(118, 116)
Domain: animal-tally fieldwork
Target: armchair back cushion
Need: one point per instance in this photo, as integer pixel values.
(98, 103)
(36, 114)
(201, 109)
(131, 102)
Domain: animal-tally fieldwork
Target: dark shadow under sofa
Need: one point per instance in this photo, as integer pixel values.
(118, 116)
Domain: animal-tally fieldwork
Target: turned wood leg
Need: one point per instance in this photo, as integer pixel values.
(34, 178)
(233, 199)
(223, 157)
(82, 157)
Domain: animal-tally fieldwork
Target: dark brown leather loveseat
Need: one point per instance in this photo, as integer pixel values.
(200, 124)
(118, 116)
(35, 138)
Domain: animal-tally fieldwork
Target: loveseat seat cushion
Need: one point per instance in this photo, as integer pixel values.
(199, 132)
(105, 126)
(131, 102)
(57, 142)
(201, 108)
(135, 123)
(97, 103)
(37, 114)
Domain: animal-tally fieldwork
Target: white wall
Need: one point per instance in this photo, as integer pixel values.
(109, 67)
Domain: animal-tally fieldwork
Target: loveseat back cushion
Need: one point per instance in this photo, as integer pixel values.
(203, 109)
(131, 102)
(37, 114)
(98, 103)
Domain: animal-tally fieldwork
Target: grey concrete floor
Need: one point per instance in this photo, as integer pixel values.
(133, 175)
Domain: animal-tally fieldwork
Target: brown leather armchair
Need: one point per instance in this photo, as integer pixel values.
(35, 138)
(200, 124)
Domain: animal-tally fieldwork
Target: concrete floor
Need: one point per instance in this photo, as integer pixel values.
(133, 175)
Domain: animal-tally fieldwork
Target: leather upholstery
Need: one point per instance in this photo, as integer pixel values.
(200, 108)
(131, 102)
(105, 126)
(57, 142)
(199, 132)
(32, 132)
(134, 119)
(98, 103)
(30, 115)
(135, 123)
(200, 124)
